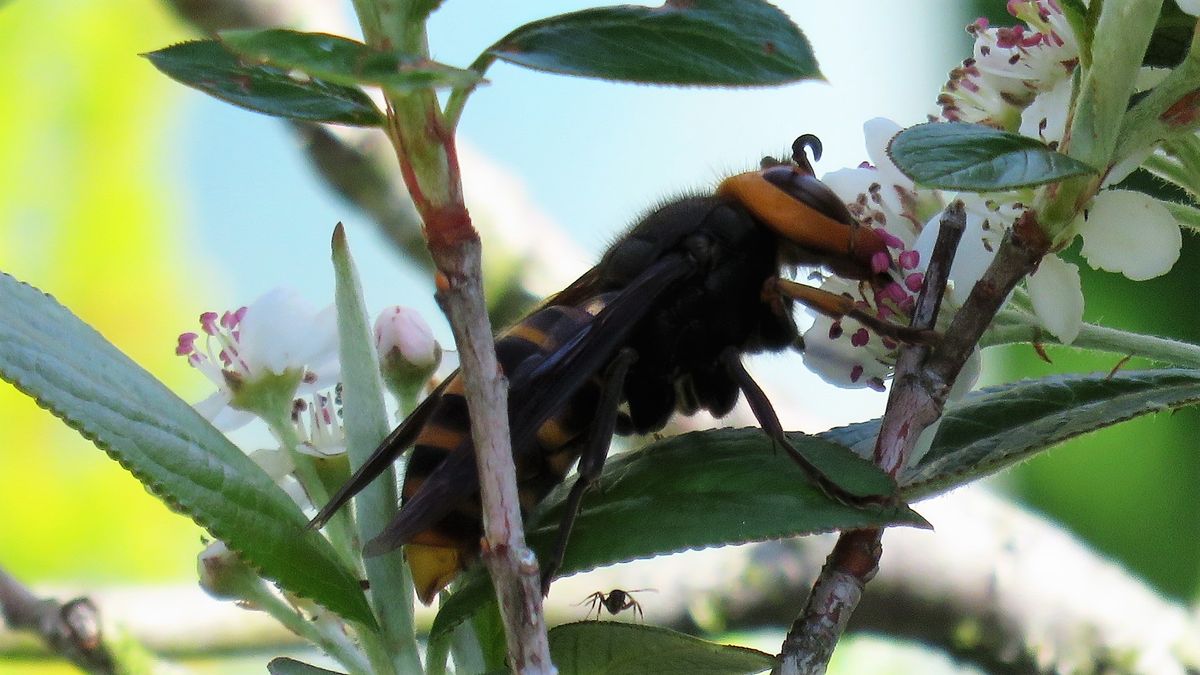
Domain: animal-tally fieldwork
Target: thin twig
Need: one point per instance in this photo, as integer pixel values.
(1018, 255)
(510, 561)
(71, 629)
(425, 148)
(912, 405)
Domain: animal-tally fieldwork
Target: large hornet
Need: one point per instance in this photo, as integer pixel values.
(659, 325)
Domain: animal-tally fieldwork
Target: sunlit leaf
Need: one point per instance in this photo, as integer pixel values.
(208, 66)
(344, 61)
(73, 372)
(700, 489)
(978, 158)
(698, 42)
(366, 423)
(609, 647)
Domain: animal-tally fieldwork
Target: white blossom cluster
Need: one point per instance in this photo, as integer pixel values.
(1018, 79)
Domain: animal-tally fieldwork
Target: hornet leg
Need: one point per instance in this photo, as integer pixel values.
(837, 306)
(765, 414)
(591, 460)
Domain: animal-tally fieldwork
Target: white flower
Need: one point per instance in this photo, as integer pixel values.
(987, 221)
(843, 351)
(1020, 79)
(222, 573)
(1046, 118)
(1123, 231)
(278, 464)
(258, 356)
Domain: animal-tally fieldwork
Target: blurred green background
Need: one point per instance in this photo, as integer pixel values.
(139, 204)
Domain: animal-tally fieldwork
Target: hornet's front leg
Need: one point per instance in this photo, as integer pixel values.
(591, 460)
(838, 306)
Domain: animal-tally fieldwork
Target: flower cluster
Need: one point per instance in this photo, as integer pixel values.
(277, 360)
(843, 351)
(1018, 79)
(1012, 66)
(260, 356)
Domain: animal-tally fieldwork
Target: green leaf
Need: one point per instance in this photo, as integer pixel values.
(977, 158)
(285, 666)
(711, 488)
(1171, 37)
(73, 372)
(473, 593)
(206, 65)
(367, 424)
(344, 61)
(695, 42)
(488, 627)
(600, 647)
(1000, 426)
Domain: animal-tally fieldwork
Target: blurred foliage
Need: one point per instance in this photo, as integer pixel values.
(1131, 490)
(86, 214)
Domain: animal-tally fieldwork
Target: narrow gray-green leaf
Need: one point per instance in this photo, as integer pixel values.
(1186, 215)
(614, 648)
(367, 424)
(711, 488)
(208, 66)
(697, 42)
(73, 372)
(1000, 426)
(285, 666)
(344, 61)
(977, 158)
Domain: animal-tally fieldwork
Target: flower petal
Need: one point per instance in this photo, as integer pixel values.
(975, 251)
(216, 409)
(281, 331)
(1131, 233)
(275, 461)
(1057, 297)
(838, 361)
(877, 133)
(1046, 117)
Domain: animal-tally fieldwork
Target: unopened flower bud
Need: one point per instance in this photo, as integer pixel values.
(408, 354)
(223, 575)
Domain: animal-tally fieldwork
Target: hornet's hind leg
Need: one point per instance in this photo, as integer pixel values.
(765, 414)
(591, 460)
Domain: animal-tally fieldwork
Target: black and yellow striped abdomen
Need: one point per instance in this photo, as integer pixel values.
(437, 554)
